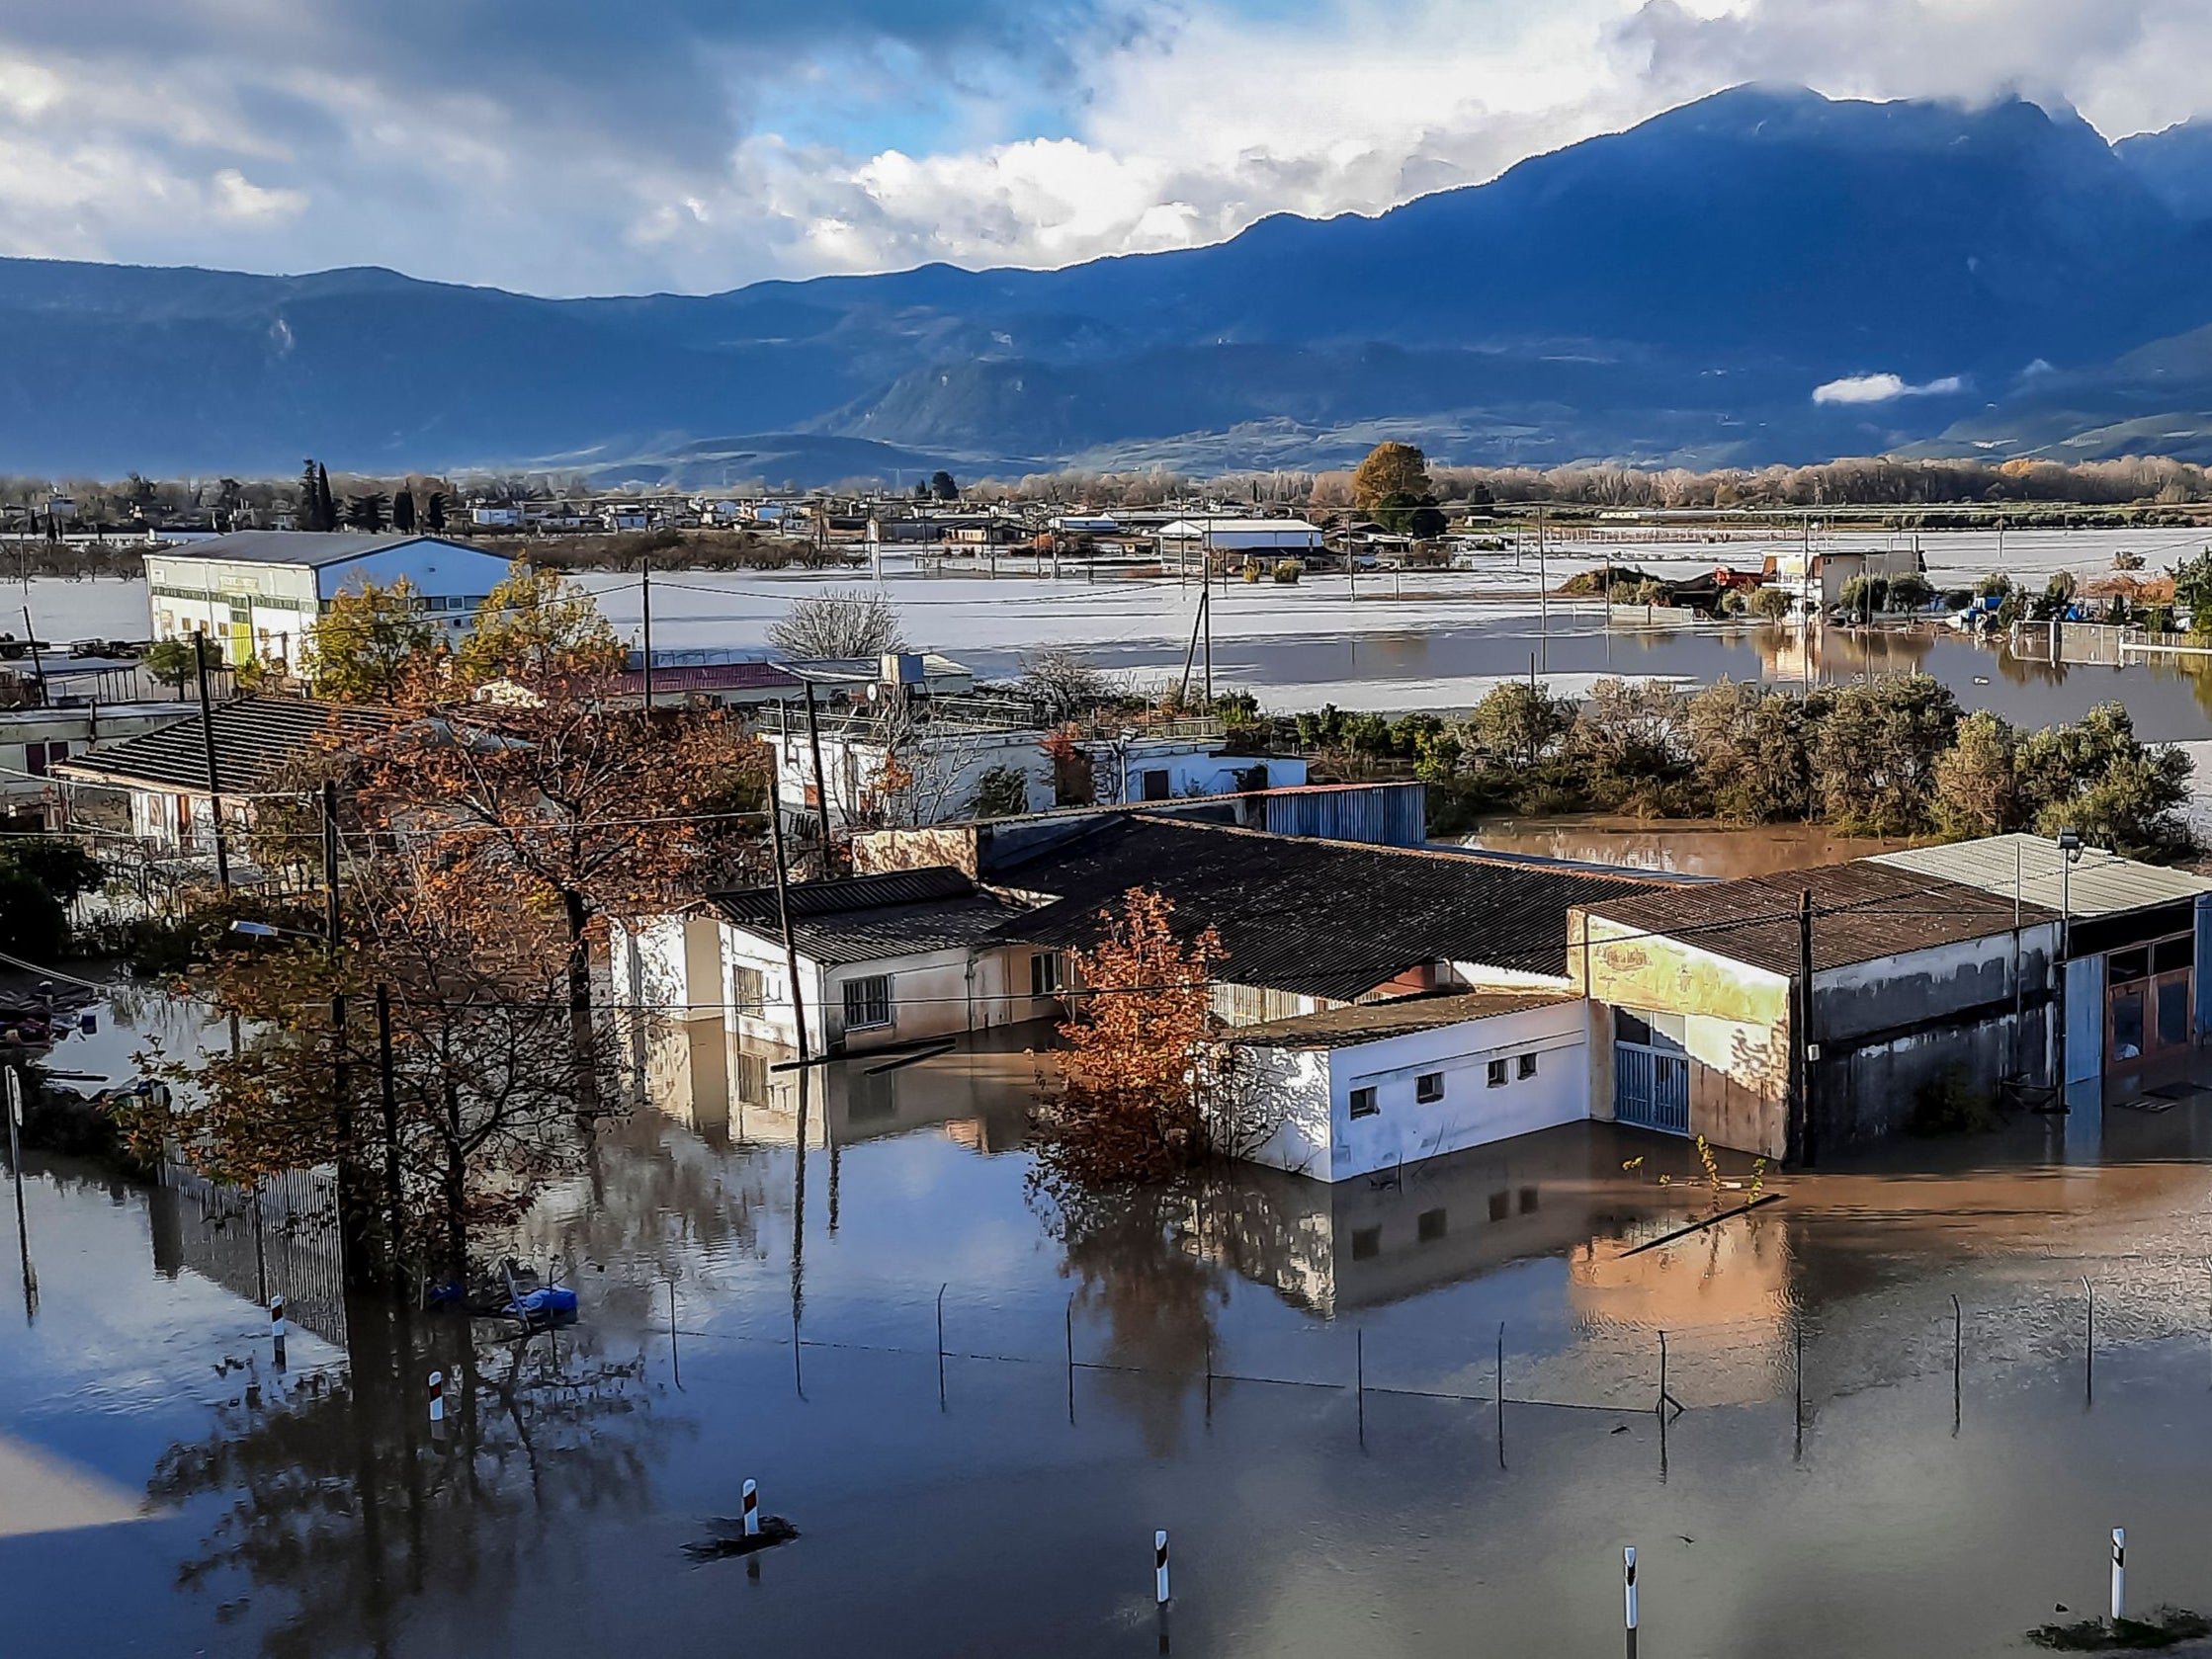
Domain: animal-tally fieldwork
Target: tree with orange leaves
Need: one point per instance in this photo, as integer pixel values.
(1127, 1106)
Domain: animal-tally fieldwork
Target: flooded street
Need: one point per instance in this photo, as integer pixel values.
(1296, 1380)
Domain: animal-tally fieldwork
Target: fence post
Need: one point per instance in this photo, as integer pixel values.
(1627, 1595)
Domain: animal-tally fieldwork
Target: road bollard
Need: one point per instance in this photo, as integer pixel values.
(436, 1398)
(752, 1510)
(2119, 1574)
(1159, 1568)
(277, 1327)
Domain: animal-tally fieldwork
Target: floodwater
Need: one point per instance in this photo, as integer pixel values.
(1434, 640)
(1679, 846)
(1295, 1380)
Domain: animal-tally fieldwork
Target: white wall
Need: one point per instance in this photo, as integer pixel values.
(1311, 1091)
(936, 993)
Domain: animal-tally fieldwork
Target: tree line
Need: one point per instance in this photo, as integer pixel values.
(1896, 757)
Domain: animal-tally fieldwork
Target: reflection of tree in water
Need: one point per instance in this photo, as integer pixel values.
(660, 1200)
(342, 1498)
(1141, 1265)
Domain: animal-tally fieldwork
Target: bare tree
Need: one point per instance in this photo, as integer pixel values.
(1061, 685)
(842, 623)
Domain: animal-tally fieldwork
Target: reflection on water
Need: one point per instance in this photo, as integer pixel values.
(1448, 665)
(985, 1499)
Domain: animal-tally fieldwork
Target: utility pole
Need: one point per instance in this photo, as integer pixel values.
(208, 746)
(38, 662)
(1806, 1050)
(1543, 597)
(783, 921)
(821, 781)
(646, 598)
(15, 1165)
(391, 1131)
(353, 1207)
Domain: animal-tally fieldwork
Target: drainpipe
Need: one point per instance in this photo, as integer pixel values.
(1805, 1049)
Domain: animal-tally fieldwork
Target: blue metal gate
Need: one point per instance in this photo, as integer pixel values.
(1652, 1087)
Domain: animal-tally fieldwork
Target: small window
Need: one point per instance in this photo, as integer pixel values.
(1631, 1028)
(868, 1002)
(1367, 1242)
(1044, 974)
(1528, 1065)
(1155, 784)
(1529, 1201)
(749, 989)
(2123, 966)
(1496, 1076)
(1429, 1086)
(1363, 1103)
(1501, 1206)
(2170, 953)
(1429, 1226)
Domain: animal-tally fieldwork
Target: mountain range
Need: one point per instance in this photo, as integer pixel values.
(1765, 275)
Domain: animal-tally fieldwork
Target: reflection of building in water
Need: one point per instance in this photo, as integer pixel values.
(1829, 654)
(277, 1239)
(726, 1087)
(1354, 1244)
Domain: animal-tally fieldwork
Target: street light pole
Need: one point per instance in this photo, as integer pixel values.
(2070, 854)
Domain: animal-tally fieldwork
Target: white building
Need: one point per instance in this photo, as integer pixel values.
(936, 775)
(496, 518)
(1275, 537)
(882, 959)
(258, 592)
(1353, 1090)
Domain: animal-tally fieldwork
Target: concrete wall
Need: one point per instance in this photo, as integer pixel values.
(1308, 1092)
(1737, 1024)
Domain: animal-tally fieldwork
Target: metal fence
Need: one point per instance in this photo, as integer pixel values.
(277, 1238)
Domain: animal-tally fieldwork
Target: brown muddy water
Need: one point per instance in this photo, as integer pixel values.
(1447, 663)
(163, 1491)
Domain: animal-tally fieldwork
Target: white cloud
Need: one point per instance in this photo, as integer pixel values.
(563, 151)
(1882, 388)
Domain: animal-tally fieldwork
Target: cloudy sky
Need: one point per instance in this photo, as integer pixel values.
(575, 146)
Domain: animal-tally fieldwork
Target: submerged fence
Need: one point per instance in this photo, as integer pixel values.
(279, 1237)
(2069, 1315)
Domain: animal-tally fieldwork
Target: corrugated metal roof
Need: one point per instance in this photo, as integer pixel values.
(312, 547)
(710, 677)
(873, 917)
(255, 737)
(2102, 883)
(1371, 1021)
(1861, 911)
(1315, 918)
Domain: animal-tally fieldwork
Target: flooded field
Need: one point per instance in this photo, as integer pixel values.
(1298, 1381)
(1436, 640)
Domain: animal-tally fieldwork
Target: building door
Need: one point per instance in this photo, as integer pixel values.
(1650, 1072)
(2150, 1000)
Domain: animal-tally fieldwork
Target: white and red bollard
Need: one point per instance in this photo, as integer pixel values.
(1159, 1568)
(276, 1328)
(436, 1398)
(752, 1510)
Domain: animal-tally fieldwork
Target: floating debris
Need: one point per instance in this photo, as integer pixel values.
(728, 1538)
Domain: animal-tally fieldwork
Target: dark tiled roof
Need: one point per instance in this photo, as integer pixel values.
(254, 739)
(1371, 1021)
(868, 918)
(1317, 918)
(314, 548)
(1861, 911)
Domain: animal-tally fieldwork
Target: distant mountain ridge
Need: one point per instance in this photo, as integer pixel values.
(1678, 293)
